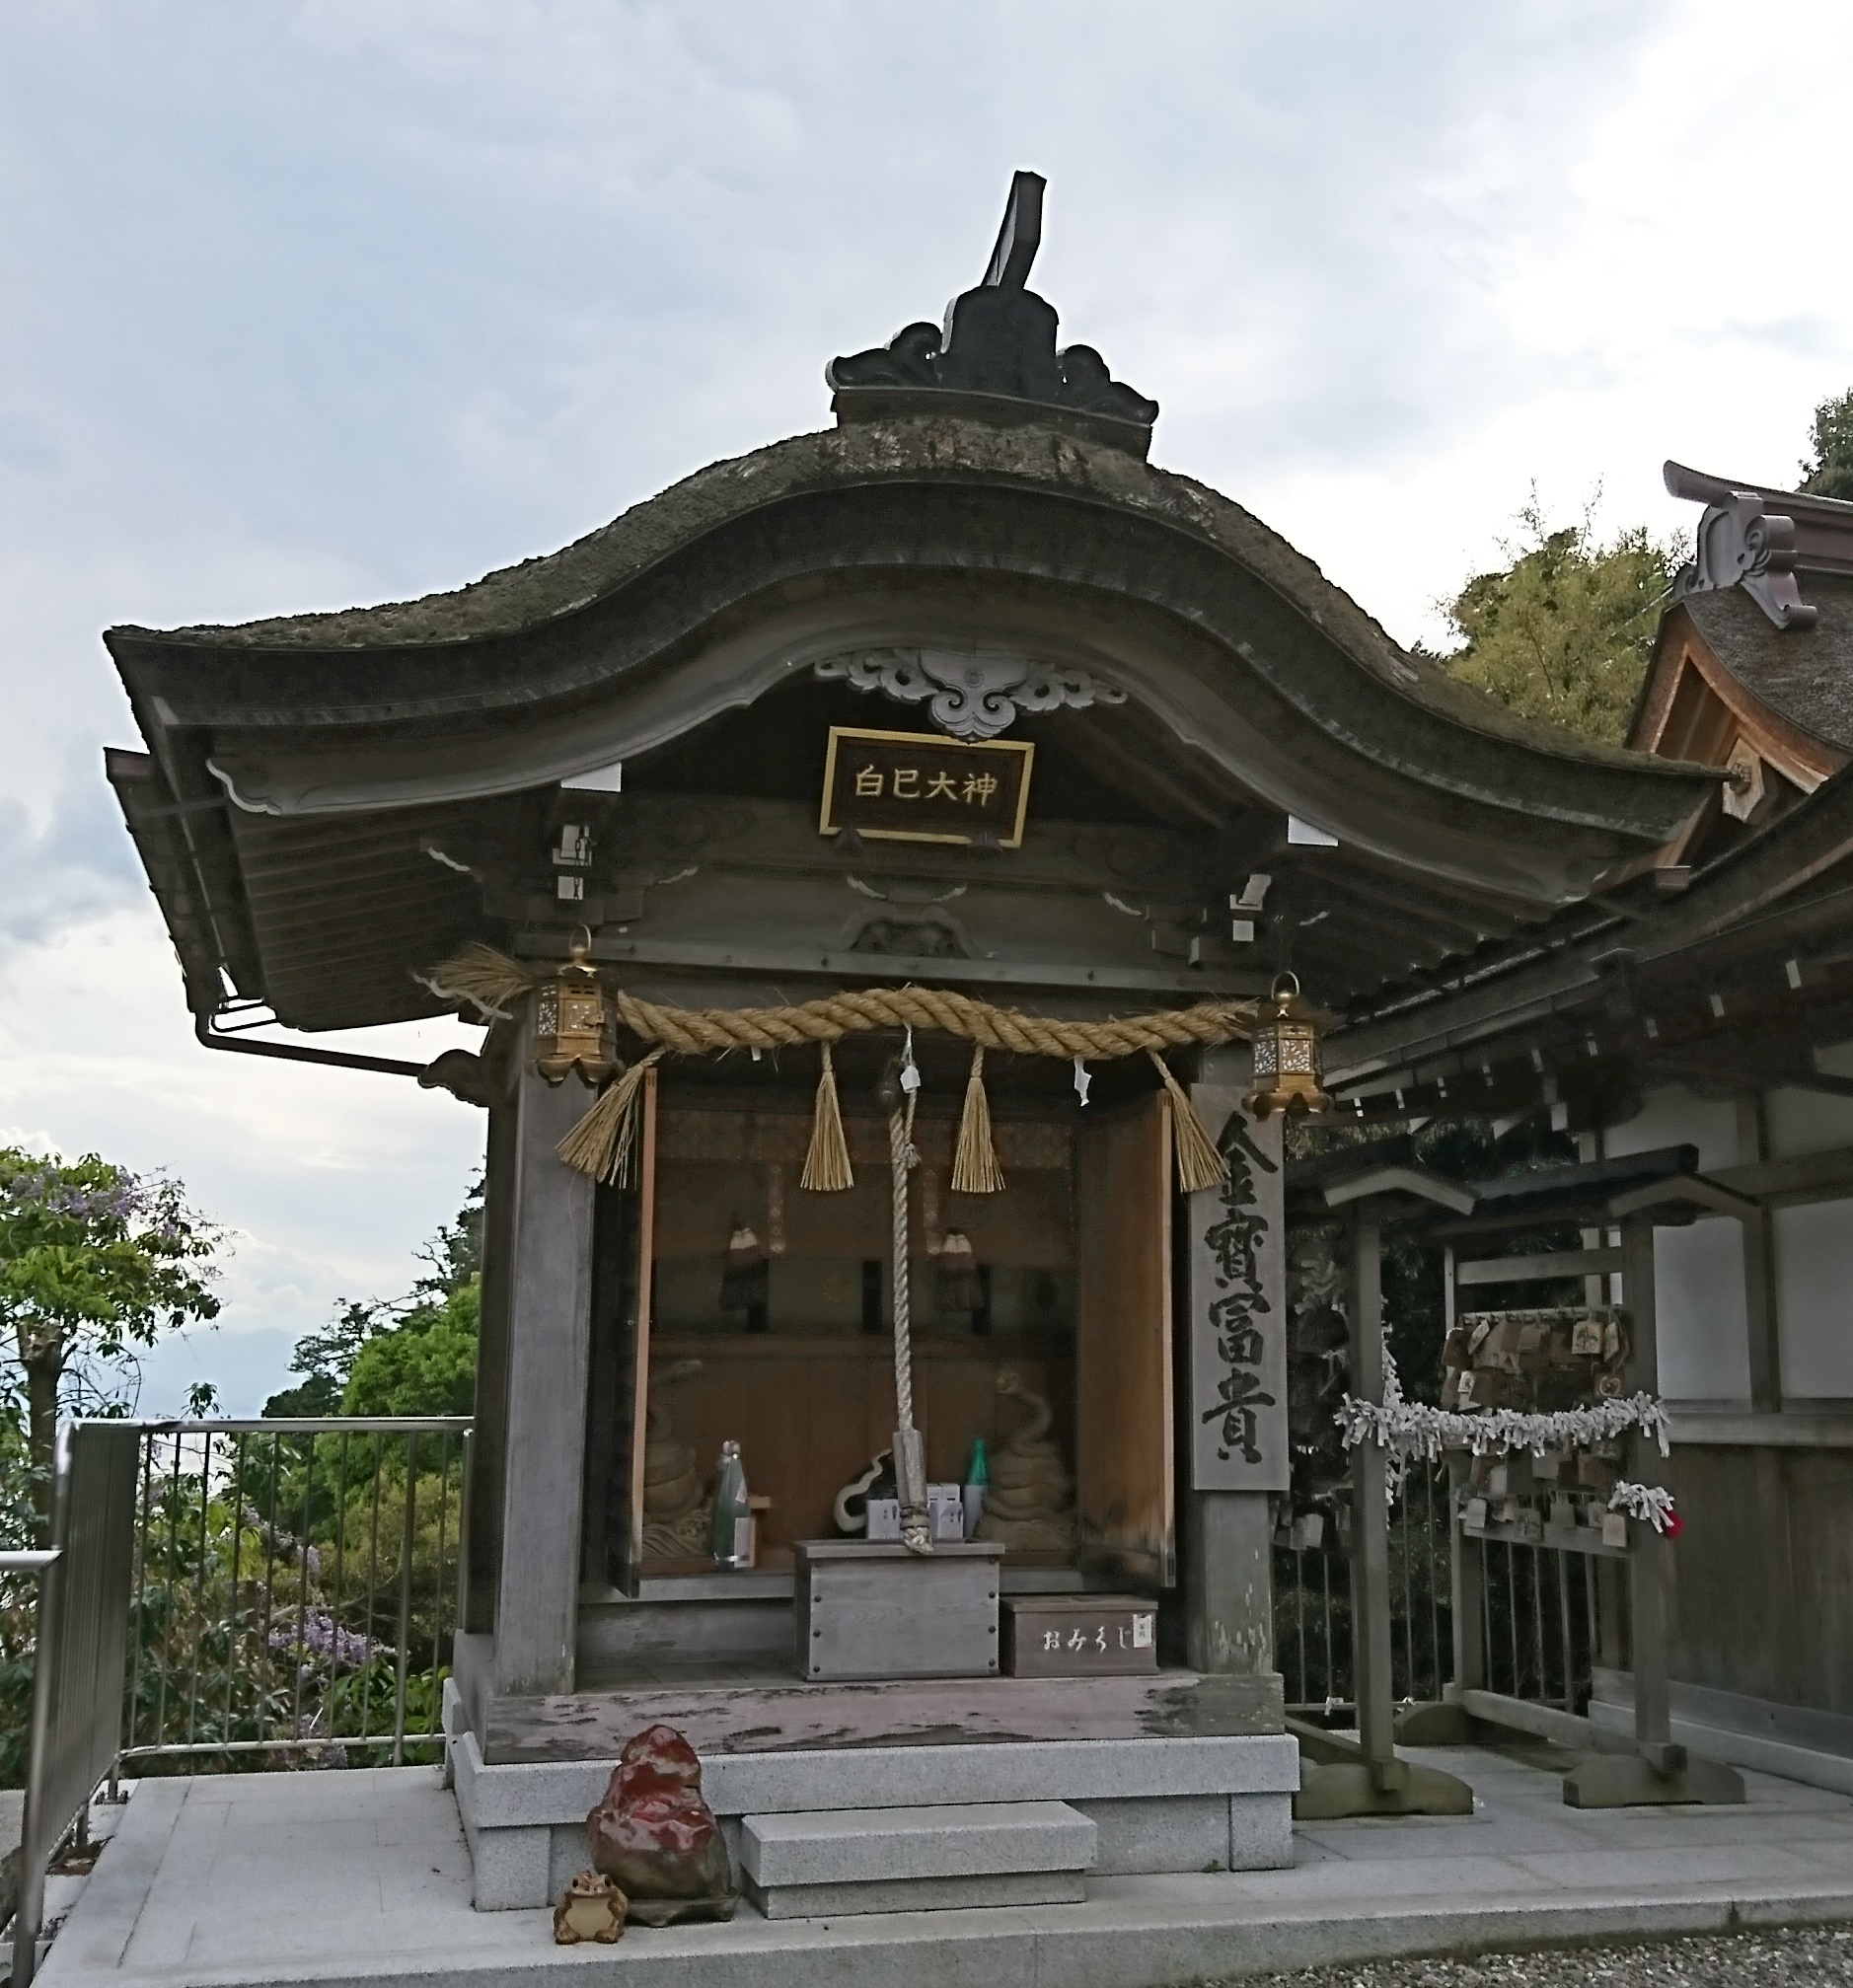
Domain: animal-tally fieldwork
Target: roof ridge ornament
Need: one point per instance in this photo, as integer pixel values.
(996, 355)
(1744, 541)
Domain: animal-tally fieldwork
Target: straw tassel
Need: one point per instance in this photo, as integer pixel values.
(827, 1168)
(974, 1168)
(601, 1142)
(1199, 1164)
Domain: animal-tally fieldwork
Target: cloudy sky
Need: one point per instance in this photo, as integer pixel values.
(304, 304)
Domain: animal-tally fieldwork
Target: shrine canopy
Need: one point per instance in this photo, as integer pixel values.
(1207, 763)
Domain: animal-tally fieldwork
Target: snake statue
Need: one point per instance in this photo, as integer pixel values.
(676, 1519)
(1030, 1506)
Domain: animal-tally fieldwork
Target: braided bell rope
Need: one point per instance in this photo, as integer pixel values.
(901, 1159)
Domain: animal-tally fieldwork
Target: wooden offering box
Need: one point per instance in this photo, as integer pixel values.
(1079, 1635)
(871, 1609)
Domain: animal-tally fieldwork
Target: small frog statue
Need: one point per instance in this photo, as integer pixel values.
(590, 1908)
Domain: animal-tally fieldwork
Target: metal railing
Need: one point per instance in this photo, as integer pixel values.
(1540, 1622)
(77, 1660)
(1541, 1612)
(293, 1591)
(1312, 1610)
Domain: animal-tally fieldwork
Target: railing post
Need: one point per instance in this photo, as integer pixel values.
(30, 1907)
(405, 1598)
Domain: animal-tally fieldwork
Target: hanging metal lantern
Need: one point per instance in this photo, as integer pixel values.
(572, 1023)
(1287, 1057)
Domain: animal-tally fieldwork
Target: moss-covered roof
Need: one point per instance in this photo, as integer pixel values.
(911, 449)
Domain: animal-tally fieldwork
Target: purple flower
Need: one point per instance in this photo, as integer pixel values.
(323, 1636)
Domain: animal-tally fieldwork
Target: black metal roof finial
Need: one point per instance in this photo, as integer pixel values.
(996, 358)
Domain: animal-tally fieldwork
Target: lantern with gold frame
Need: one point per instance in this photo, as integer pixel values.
(572, 1022)
(1287, 1057)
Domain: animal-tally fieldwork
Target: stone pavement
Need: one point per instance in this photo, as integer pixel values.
(361, 1877)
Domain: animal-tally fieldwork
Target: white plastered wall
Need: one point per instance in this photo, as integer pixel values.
(1815, 1300)
(1704, 1327)
(1813, 1245)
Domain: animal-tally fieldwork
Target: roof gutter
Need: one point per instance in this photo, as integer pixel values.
(292, 1052)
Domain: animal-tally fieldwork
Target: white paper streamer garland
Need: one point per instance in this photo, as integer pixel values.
(1652, 1503)
(1415, 1429)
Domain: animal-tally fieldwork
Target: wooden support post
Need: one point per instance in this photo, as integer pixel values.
(489, 1437)
(548, 1340)
(1369, 1780)
(1465, 1557)
(1759, 1266)
(1647, 1571)
(1659, 1771)
(1369, 1539)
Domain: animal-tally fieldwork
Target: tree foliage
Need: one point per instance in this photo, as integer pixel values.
(95, 1262)
(1563, 632)
(407, 1356)
(1828, 471)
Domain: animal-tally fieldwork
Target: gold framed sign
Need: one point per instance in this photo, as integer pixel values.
(919, 787)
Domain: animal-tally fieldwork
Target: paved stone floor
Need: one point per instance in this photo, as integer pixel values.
(361, 1877)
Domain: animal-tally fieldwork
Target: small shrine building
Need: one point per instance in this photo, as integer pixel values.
(960, 697)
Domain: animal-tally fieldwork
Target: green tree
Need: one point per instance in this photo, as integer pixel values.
(408, 1356)
(1828, 471)
(426, 1365)
(95, 1261)
(1563, 632)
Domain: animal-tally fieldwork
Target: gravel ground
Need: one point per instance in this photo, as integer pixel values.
(1814, 1957)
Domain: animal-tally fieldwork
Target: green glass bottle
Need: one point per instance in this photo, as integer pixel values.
(977, 1486)
(734, 1516)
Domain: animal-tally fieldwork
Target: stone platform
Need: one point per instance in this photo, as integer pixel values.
(1174, 1771)
(335, 1880)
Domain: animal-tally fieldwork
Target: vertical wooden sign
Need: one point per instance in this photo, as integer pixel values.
(1238, 1303)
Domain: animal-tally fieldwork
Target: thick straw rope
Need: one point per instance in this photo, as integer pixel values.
(600, 1145)
(689, 1031)
(487, 979)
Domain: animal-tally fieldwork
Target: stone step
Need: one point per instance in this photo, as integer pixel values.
(816, 1863)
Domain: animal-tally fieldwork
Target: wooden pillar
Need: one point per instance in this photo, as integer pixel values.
(548, 1300)
(1760, 1267)
(1235, 1447)
(488, 1445)
(1465, 1555)
(1370, 1501)
(1647, 1558)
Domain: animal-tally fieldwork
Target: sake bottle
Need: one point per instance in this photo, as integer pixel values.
(977, 1485)
(734, 1516)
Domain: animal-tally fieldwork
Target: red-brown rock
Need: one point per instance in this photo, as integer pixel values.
(656, 1837)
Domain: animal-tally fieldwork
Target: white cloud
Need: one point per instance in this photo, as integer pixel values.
(311, 306)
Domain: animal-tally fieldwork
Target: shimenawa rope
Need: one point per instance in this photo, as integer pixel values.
(600, 1144)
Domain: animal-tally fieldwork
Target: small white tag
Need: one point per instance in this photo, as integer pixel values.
(1615, 1528)
(1474, 1517)
(1143, 1630)
(910, 1069)
(1083, 1078)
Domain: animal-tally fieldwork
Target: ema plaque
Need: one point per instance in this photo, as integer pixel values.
(919, 788)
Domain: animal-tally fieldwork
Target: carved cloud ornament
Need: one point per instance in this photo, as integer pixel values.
(970, 696)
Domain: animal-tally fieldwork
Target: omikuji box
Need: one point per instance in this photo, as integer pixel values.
(1079, 1635)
